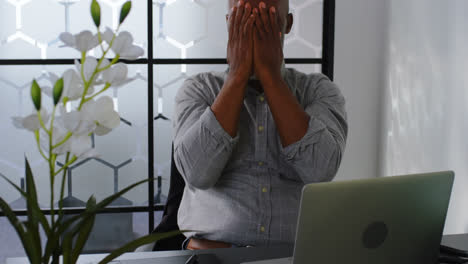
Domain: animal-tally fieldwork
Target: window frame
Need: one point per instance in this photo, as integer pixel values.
(327, 62)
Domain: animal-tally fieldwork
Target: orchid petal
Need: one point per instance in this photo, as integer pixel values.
(101, 131)
(108, 35)
(68, 39)
(116, 74)
(122, 42)
(132, 53)
(73, 88)
(89, 67)
(85, 41)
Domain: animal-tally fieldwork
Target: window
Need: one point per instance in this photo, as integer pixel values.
(181, 38)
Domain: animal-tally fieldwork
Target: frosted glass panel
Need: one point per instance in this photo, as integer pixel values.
(30, 29)
(197, 29)
(123, 152)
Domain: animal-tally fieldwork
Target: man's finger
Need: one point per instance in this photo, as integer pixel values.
(232, 19)
(239, 15)
(247, 13)
(274, 21)
(259, 24)
(264, 17)
(249, 25)
(256, 35)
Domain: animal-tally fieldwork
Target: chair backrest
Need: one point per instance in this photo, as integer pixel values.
(169, 218)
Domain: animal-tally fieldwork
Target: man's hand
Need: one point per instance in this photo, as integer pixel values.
(228, 104)
(268, 50)
(240, 45)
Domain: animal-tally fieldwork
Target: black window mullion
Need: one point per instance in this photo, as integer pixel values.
(150, 120)
(328, 38)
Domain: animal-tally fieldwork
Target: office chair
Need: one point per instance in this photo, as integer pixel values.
(169, 218)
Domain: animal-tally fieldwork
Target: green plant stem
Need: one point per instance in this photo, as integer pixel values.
(98, 93)
(117, 57)
(70, 162)
(52, 160)
(88, 83)
(64, 140)
(62, 189)
(37, 136)
(39, 116)
(100, 40)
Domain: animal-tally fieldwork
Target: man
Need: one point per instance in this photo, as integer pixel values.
(247, 140)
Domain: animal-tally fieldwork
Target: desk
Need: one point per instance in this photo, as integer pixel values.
(234, 255)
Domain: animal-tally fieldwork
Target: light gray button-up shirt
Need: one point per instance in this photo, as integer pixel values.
(246, 190)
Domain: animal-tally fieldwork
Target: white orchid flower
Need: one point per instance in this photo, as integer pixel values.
(72, 85)
(31, 122)
(107, 35)
(81, 147)
(102, 113)
(89, 66)
(78, 123)
(116, 76)
(78, 145)
(83, 41)
(123, 46)
(58, 135)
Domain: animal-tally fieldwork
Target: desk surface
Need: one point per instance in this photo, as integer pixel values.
(235, 255)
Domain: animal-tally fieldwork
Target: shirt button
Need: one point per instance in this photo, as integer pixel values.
(264, 190)
(262, 229)
(261, 128)
(261, 98)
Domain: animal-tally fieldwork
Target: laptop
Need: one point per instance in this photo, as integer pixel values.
(384, 220)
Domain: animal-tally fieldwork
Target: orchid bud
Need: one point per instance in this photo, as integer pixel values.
(125, 10)
(96, 13)
(58, 90)
(36, 95)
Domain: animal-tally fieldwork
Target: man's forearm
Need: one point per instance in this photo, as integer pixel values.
(290, 119)
(228, 104)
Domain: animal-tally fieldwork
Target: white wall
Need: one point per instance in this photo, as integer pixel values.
(359, 63)
(401, 65)
(425, 119)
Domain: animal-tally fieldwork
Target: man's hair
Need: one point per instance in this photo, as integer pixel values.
(228, 1)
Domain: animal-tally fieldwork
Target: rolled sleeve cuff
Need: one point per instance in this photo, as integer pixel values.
(209, 121)
(312, 136)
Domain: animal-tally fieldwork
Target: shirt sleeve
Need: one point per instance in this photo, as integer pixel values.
(201, 146)
(317, 156)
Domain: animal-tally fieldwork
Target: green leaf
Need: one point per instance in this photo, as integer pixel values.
(58, 90)
(125, 11)
(82, 229)
(67, 249)
(137, 243)
(96, 13)
(19, 228)
(51, 246)
(33, 215)
(42, 218)
(85, 231)
(91, 204)
(101, 205)
(36, 95)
